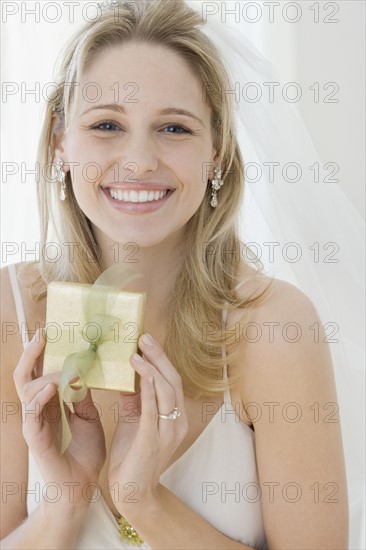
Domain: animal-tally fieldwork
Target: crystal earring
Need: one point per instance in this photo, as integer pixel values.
(108, 4)
(216, 183)
(60, 176)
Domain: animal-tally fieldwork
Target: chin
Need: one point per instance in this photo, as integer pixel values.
(130, 239)
(132, 236)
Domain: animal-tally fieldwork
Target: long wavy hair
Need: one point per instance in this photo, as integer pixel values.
(195, 333)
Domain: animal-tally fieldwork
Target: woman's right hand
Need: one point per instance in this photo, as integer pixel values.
(76, 472)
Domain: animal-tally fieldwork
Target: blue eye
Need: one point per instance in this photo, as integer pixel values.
(106, 126)
(181, 129)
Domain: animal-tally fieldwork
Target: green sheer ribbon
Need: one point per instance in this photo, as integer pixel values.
(97, 303)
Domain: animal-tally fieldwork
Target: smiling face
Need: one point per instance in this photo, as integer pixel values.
(140, 150)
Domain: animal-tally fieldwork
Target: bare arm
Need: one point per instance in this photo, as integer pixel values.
(168, 523)
(51, 525)
(14, 450)
(298, 438)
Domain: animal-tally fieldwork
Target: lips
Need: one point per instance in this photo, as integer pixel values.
(139, 192)
(137, 200)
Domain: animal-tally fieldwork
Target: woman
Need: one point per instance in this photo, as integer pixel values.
(152, 162)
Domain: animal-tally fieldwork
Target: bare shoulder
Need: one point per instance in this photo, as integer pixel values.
(288, 390)
(25, 274)
(11, 341)
(278, 295)
(284, 351)
(14, 453)
(278, 307)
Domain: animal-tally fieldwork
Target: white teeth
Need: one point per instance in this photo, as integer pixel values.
(142, 196)
(136, 196)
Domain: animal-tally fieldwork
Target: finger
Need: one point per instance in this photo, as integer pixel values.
(149, 409)
(30, 389)
(165, 394)
(169, 430)
(34, 426)
(165, 401)
(155, 354)
(23, 371)
(31, 412)
(87, 409)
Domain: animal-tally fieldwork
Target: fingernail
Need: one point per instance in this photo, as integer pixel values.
(147, 339)
(137, 357)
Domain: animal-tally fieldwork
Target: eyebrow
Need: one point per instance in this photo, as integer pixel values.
(184, 112)
(167, 111)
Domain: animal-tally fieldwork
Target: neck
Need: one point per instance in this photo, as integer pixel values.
(158, 265)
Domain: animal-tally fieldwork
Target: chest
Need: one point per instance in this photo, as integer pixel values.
(199, 415)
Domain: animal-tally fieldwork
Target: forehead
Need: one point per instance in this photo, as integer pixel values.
(140, 74)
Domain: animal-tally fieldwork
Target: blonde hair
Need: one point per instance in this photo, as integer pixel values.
(209, 271)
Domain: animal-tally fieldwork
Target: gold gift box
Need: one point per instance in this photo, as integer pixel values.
(67, 331)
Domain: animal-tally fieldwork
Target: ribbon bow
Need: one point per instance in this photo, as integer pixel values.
(97, 302)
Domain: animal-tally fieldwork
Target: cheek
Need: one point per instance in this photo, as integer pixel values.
(85, 152)
(192, 169)
(85, 180)
(87, 166)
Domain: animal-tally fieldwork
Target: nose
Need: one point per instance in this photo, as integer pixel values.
(139, 156)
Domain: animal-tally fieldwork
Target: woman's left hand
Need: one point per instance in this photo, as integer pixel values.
(143, 443)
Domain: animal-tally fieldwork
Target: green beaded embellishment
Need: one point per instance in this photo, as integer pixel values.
(128, 533)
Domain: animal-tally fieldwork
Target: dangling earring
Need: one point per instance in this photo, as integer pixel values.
(60, 176)
(216, 183)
